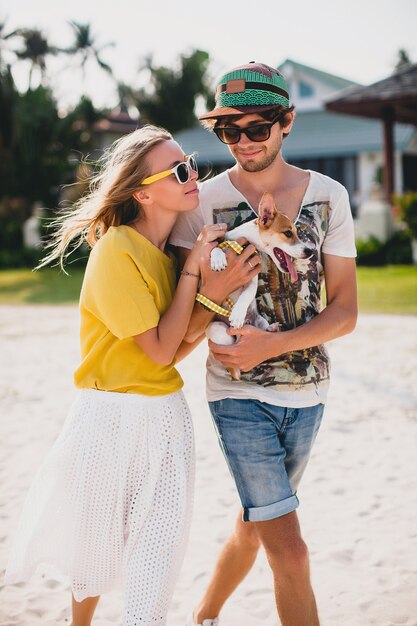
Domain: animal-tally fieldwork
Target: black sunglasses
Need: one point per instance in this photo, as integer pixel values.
(232, 134)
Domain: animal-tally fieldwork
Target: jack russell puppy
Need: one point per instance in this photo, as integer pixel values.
(275, 234)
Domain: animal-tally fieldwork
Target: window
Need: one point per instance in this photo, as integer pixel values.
(305, 90)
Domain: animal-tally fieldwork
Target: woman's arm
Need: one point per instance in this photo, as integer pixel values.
(187, 347)
(217, 286)
(162, 342)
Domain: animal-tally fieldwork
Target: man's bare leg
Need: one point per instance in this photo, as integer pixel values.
(236, 559)
(82, 612)
(288, 557)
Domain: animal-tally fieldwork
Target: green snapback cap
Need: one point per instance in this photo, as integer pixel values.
(249, 89)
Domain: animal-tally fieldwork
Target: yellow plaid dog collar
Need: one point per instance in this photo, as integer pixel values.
(232, 244)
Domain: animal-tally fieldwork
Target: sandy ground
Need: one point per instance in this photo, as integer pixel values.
(358, 498)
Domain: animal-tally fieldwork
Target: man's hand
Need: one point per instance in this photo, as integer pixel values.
(253, 347)
(337, 319)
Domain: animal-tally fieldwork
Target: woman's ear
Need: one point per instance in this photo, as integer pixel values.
(142, 196)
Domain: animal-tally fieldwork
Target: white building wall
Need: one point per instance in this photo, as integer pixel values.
(412, 147)
(398, 172)
(311, 103)
(368, 165)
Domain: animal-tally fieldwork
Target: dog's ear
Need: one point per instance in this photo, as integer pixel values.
(267, 210)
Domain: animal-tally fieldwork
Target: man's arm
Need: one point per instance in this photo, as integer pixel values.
(337, 319)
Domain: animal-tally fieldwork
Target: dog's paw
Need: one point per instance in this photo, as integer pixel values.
(235, 374)
(217, 332)
(237, 317)
(218, 260)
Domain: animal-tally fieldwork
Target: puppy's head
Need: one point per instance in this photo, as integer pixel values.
(279, 236)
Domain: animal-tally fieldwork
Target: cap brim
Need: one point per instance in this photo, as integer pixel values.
(221, 111)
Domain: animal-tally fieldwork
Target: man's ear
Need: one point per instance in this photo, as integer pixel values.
(289, 117)
(267, 210)
(142, 196)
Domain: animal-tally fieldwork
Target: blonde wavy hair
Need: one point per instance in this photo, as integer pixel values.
(109, 201)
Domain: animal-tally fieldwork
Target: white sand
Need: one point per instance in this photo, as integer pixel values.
(358, 498)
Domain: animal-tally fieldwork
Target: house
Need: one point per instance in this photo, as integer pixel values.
(113, 125)
(349, 149)
(391, 100)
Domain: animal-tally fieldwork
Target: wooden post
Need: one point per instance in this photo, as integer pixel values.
(388, 120)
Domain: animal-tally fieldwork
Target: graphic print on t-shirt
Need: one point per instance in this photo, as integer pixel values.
(286, 303)
(233, 216)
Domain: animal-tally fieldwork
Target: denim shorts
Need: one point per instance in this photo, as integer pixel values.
(267, 448)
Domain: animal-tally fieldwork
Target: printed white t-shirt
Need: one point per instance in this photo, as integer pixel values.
(324, 222)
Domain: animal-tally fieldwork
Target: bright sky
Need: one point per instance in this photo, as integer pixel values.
(355, 39)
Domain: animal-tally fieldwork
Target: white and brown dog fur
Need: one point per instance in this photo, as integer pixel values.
(275, 234)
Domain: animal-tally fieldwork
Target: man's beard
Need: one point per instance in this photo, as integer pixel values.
(259, 166)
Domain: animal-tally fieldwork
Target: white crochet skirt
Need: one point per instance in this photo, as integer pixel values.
(113, 501)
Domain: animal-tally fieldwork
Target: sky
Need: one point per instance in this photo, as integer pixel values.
(356, 39)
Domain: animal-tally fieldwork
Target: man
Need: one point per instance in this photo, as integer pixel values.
(268, 420)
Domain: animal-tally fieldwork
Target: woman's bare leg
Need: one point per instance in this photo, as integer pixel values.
(82, 612)
(236, 559)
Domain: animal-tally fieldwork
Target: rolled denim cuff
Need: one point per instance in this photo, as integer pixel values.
(277, 509)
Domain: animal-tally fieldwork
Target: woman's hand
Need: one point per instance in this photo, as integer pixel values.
(206, 241)
(241, 268)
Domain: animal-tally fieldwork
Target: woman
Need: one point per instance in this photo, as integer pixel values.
(113, 497)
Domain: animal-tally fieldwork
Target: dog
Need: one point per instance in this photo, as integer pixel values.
(275, 234)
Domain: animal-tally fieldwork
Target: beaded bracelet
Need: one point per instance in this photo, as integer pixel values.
(212, 306)
(185, 273)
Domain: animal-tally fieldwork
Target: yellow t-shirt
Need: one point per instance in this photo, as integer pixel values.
(128, 285)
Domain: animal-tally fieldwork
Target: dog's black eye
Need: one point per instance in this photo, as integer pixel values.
(288, 233)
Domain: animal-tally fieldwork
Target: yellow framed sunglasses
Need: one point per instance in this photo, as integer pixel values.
(182, 172)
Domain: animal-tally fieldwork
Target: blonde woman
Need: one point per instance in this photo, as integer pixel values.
(113, 497)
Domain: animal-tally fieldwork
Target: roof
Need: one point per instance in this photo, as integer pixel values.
(397, 93)
(117, 121)
(321, 133)
(208, 148)
(335, 82)
(315, 133)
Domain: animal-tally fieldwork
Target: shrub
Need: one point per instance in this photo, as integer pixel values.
(395, 251)
(408, 211)
(398, 249)
(370, 252)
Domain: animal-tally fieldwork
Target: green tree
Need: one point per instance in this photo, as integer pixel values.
(4, 37)
(45, 148)
(9, 98)
(86, 47)
(403, 60)
(35, 49)
(173, 94)
(126, 96)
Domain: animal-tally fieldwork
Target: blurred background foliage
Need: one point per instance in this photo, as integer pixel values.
(43, 149)
(41, 146)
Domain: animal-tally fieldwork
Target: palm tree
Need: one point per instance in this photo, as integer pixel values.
(403, 60)
(171, 85)
(4, 37)
(35, 50)
(85, 46)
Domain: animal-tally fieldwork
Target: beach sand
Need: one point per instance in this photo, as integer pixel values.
(358, 497)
